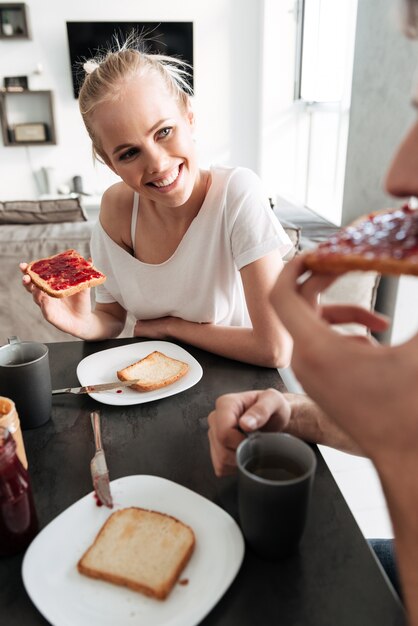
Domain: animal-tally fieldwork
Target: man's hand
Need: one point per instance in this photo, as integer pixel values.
(246, 411)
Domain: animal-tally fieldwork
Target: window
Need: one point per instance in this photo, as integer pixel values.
(304, 150)
(327, 45)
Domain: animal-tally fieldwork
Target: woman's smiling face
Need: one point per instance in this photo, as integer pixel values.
(146, 137)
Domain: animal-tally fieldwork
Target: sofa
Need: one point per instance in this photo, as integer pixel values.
(35, 229)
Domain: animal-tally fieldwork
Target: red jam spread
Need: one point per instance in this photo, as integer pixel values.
(65, 270)
(97, 499)
(18, 521)
(391, 234)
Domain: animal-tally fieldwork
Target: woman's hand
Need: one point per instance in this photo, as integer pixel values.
(74, 314)
(153, 329)
(69, 314)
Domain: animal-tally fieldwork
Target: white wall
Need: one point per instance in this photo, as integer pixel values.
(226, 60)
(383, 74)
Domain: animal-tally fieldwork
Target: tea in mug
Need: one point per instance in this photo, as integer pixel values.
(274, 467)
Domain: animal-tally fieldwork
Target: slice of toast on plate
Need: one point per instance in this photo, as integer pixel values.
(140, 549)
(154, 371)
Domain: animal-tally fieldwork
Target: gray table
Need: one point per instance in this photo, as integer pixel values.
(334, 579)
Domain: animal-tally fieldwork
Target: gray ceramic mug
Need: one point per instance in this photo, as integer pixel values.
(25, 378)
(275, 477)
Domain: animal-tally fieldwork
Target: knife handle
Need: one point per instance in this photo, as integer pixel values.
(95, 422)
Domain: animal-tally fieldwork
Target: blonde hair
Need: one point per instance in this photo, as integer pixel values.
(106, 73)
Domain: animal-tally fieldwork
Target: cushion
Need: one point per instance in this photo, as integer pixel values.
(293, 233)
(359, 288)
(42, 211)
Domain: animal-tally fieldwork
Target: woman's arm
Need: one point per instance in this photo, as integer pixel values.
(74, 314)
(266, 343)
(105, 322)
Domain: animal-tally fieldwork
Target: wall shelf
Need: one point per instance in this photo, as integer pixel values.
(14, 23)
(27, 118)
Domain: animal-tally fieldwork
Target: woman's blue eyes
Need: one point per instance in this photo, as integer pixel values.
(162, 134)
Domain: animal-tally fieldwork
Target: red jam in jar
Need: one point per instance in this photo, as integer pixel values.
(18, 520)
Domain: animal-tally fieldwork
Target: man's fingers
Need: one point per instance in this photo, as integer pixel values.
(223, 458)
(233, 405)
(314, 284)
(245, 411)
(223, 430)
(342, 314)
(271, 408)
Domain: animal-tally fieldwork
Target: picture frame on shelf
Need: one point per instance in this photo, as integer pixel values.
(27, 118)
(14, 23)
(36, 132)
(16, 83)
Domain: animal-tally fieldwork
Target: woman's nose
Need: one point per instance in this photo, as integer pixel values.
(157, 159)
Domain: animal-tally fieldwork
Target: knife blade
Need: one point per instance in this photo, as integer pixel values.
(96, 388)
(98, 466)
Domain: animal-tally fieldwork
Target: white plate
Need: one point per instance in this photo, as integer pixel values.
(101, 367)
(67, 598)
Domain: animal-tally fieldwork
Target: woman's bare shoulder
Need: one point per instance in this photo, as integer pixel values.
(118, 194)
(116, 212)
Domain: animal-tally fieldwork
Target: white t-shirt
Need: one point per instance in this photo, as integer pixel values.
(200, 282)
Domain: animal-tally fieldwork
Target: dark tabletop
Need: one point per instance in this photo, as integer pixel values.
(333, 580)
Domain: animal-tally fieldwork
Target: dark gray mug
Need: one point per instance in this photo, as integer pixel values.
(275, 477)
(25, 378)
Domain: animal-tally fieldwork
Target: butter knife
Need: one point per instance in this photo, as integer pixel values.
(96, 388)
(98, 467)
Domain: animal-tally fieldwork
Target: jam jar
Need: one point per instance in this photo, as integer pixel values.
(18, 520)
(9, 419)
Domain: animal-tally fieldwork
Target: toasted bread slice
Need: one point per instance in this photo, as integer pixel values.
(143, 550)
(64, 274)
(154, 371)
(384, 241)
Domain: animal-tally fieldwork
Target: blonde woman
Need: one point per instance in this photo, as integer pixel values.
(192, 253)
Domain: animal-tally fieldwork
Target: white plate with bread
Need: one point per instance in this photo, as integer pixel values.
(66, 597)
(164, 367)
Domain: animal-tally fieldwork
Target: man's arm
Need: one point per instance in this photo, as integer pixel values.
(268, 410)
(371, 392)
(310, 423)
